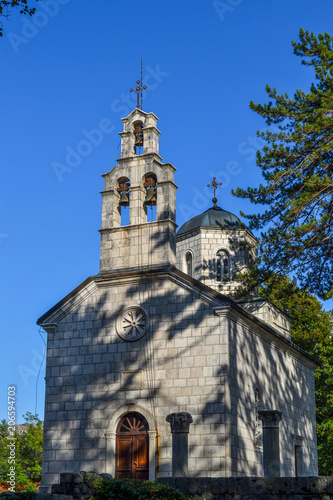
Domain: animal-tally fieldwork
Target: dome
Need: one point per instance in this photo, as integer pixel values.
(214, 217)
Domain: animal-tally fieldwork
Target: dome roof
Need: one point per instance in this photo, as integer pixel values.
(214, 217)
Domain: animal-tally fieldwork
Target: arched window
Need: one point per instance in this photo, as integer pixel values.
(188, 263)
(222, 266)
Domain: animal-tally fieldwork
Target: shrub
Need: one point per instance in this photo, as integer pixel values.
(135, 489)
(21, 487)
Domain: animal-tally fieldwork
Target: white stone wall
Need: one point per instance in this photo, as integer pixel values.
(192, 359)
(193, 245)
(286, 383)
(139, 246)
(85, 361)
(268, 312)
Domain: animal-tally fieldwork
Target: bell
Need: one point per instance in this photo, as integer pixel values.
(138, 134)
(150, 196)
(124, 199)
(138, 141)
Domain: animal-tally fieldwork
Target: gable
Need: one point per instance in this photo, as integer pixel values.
(171, 300)
(158, 290)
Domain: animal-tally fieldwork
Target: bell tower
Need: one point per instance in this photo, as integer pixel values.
(139, 188)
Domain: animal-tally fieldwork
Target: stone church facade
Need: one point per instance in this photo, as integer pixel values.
(157, 332)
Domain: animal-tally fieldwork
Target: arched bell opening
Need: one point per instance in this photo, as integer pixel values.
(150, 185)
(138, 137)
(132, 447)
(123, 190)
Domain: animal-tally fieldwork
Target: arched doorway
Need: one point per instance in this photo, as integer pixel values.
(132, 447)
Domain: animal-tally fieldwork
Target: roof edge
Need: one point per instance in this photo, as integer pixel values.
(67, 297)
(265, 326)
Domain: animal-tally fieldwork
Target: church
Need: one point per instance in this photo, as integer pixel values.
(157, 332)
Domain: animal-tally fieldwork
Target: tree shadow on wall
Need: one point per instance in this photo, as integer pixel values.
(183, 369)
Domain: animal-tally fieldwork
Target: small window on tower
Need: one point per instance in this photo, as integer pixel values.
(222, 266)
(188, 263)
(124, 200)
(138, 138)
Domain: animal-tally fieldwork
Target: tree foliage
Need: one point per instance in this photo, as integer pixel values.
(311, 329)
(28, 453)
(310, 324)
(296, 163)
(7, 5)
(324, 402)
(3, 428)
(31, 447)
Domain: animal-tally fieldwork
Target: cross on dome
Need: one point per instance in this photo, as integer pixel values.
(215, 185)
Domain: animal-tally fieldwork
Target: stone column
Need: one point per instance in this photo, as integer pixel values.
(180, 426)
(110, 462)
(271, 441)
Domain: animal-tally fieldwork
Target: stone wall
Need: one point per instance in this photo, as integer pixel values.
(285, 382)
(204, 243)
(74, 486)
(268, 312)
(92, 376)
(254, 488)
(139, 246)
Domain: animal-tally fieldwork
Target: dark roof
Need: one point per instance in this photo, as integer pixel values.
(213, 217)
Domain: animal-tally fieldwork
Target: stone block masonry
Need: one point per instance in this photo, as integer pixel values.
(254, 488)
(75, 486)
(207, 361)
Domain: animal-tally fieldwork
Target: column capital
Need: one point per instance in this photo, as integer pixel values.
(179, 422)
(270, 418)
(110, 435)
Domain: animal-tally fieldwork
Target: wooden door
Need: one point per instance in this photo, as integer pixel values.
(132, 447)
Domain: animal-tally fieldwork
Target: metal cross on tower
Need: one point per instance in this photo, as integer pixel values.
(215, 185)
(138, 88)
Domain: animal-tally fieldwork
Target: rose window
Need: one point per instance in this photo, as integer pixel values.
(132, 324)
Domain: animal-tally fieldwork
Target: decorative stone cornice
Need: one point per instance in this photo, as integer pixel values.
(153, 156)
(270, 418)
(297, 437)
(50, 327)
(179, 422)
(129, 228)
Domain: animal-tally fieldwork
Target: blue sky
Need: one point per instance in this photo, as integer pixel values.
(67, 72)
